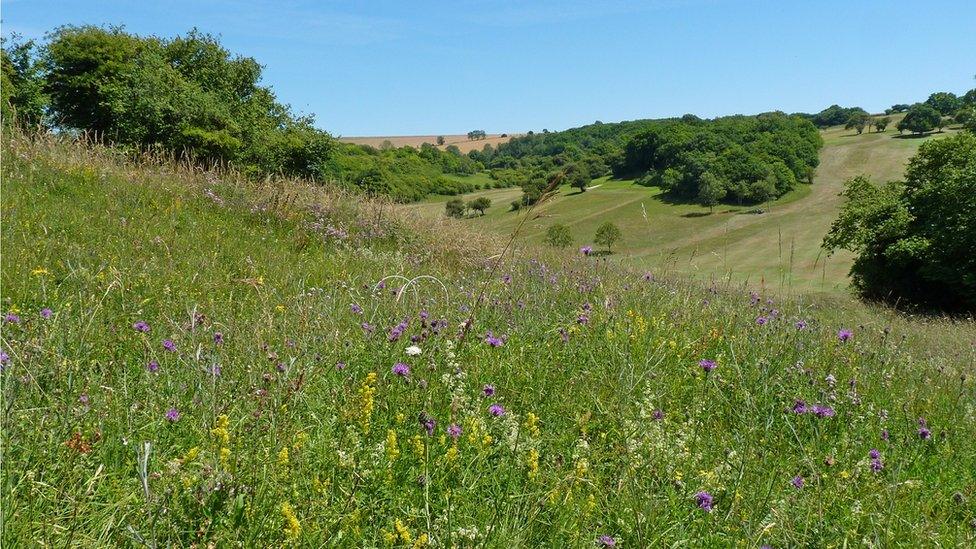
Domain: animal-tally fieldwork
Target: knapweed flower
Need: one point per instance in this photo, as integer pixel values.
(797, 482)
(658, 415)
(172, 415)
(923, 429)
(874, 453)
(606, 541)
(153, 366)
(397, 331)
(427, 423)
(401, 369)
(490, 339)
(169, 345)
(707, 365)
(46, 313)
(801, 324)
(705, 501)
(141, 326)
(761, 321)
(367, 328)
(488, 390)
(823, 411)
(12, 318)
(218, 338)
(356, 309)
(4, 357)
(800, 407)
(340, 365)
(454, 430)
(413, 350)
(496, 410)
(586, 250)
(83, 398)
(648, 277)
(844, 335)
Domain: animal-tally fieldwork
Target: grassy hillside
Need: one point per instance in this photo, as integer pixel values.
(779, 249)
(190, 359)
(460, 141)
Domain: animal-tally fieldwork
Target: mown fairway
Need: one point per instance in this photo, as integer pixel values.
(779, 248)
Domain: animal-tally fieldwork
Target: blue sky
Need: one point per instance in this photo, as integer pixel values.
(414, 67)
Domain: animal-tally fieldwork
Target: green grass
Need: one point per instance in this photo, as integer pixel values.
(285, 447)
(779, 249)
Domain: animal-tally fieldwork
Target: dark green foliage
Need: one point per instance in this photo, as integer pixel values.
(477, 134)
(858, 121)
(559, 236)
(835, 115)
(881, 124)
(710, 190)
(21, 91)
(480, 204)
(945, 102)
(578, 176)
(914, 240)
(899, 107)
(608, 234)
(921, 118)
(455, 207)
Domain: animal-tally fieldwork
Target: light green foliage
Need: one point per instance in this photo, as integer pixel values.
(455, 208)
(858, 121)
(480, 204)
(559, 236)
(608, 234)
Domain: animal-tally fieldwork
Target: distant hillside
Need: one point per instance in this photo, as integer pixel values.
(460, 141)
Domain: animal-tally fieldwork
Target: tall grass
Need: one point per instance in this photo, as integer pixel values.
(215, 365)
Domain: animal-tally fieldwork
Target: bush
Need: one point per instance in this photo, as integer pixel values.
(559, 236)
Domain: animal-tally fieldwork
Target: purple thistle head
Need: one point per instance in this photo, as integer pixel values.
(800, 407)
(658, 415)
(823, 411)
(488, 390)
(218, 338)
(153, 366)
(586, 250)
(12, 318)
(454, 430)
(874, 453)
(606, 541)
(46, 313)
(707, 365)
(844, 335)
(496, 410)
(884, 435)
(801, 324)
(356, 309)
(761, 321)
(797, 482)
(705, 501)
(141, 326)
(493, 341)
(367, 328)
(924, 433)
(172, 415)
(4, 357)
(401, 369)
(397, 331)
(427, 423)
(876, 465)
(169, 345)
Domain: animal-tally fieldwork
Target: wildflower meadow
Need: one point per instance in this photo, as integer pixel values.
(193, 361)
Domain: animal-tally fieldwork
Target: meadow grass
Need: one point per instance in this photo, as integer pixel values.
(194, 359)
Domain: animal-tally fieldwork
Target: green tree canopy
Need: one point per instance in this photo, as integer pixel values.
(921, 118)
(608, 234)
(559, 236)
(455, 208)
(480, 204)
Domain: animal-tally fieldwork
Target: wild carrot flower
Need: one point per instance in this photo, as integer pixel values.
(844, 335)
(141, 326)
(705, 501)
(413, 350)
(172, 415)
(401, 369)
(707, 365)
(496, 410)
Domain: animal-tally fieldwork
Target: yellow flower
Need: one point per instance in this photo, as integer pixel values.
(367, 392)
(532, 424)
(533, 461)
(452, 454)
(389, 537)
(224, 455)
(402, 531)
(292, 527)
(283, 458)
(39, 271)
(418, 446)
(221, 431)
(300, 440)
(422, 540)
(280, 308)
(392, 450)
(191, 454)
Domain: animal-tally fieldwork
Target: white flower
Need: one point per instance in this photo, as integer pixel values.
(413, 350)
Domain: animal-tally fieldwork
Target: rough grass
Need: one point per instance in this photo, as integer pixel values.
(779, 249)
(292, 428)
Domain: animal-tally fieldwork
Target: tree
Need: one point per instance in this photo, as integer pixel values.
(945, 102)
(710, 190)
(22, 88)
(578, 176)
(881, 124)
(921, 118)
(608, 234)
(899, 107)
(559, 236)
(455, 208)
(480, 204)
(858, 121)
(440, 140)
(476, 134)
(913, 240)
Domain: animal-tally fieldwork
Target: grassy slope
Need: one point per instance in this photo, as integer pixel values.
(780, 248)
(315, 454)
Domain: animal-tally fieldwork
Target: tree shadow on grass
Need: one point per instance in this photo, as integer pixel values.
(913, 135)
(696, 214)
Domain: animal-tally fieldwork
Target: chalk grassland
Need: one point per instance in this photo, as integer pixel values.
(460, 141)
(779, 249)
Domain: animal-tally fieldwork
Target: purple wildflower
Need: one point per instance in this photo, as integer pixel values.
(141, 326)
(874, 453)
(823, 411)
(707, 365)
(488, 390)
(648, 277)
(496, 410)
(172, 415)
(658, 415)
(606, 541)
(800, 407)
(367, 327)
(797, 482)
(218, 338)
(884, 435)
(490, 339)
(12, 318)
(397, 331)
(153, 366)
(586, 250)
(169, 345)
(844, 335)
(761, 321)
(46, 313)
(705, 501)
(4, 357)
(401, 369)
(924, 433)
(340, 365)
(454, 430)
(801, 324)
(356, 308)
(427, 423)
(83, 398)
(876, 465)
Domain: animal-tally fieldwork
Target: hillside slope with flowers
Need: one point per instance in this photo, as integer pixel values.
(189, 360)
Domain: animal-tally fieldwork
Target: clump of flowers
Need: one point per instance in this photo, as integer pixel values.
(293, 528)
(367, 392)
(707, 365)
(705, 501)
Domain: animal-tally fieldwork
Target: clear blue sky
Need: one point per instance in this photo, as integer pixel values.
(413, 67)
